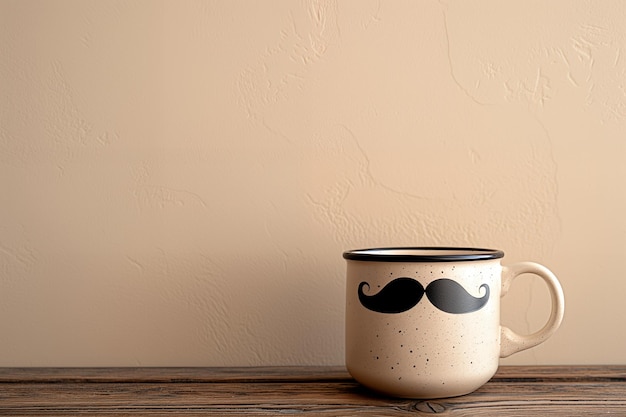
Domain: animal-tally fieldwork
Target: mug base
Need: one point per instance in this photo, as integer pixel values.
(410, 395)
(421, 388)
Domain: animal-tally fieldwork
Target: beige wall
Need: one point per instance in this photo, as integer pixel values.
(179, 179)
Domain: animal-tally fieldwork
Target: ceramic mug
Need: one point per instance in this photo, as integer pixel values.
(425, 322)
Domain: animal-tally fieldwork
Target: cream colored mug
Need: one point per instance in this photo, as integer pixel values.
(425, 322)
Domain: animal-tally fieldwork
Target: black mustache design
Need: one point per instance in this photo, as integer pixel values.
(402, 294)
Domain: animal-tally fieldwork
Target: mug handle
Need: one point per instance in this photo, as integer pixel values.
(511, 342)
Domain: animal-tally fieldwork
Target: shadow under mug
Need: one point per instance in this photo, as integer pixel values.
(424, 322)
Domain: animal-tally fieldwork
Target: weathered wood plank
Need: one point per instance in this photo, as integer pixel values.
(514, 391)
(289, 373)
(174, 375)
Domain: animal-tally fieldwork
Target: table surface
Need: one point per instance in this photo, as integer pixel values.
(323, 391)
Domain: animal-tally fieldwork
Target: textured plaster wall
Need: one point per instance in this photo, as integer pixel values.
(178, 179)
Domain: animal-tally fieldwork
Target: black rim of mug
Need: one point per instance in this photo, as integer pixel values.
(422, 254)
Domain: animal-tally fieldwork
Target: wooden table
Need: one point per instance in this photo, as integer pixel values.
(324, 391)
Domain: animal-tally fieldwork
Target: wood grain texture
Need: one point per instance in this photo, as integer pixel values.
(323, 391)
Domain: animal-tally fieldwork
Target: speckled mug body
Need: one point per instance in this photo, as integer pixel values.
(423, 352)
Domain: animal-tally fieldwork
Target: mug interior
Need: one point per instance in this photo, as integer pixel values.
(422, 254)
